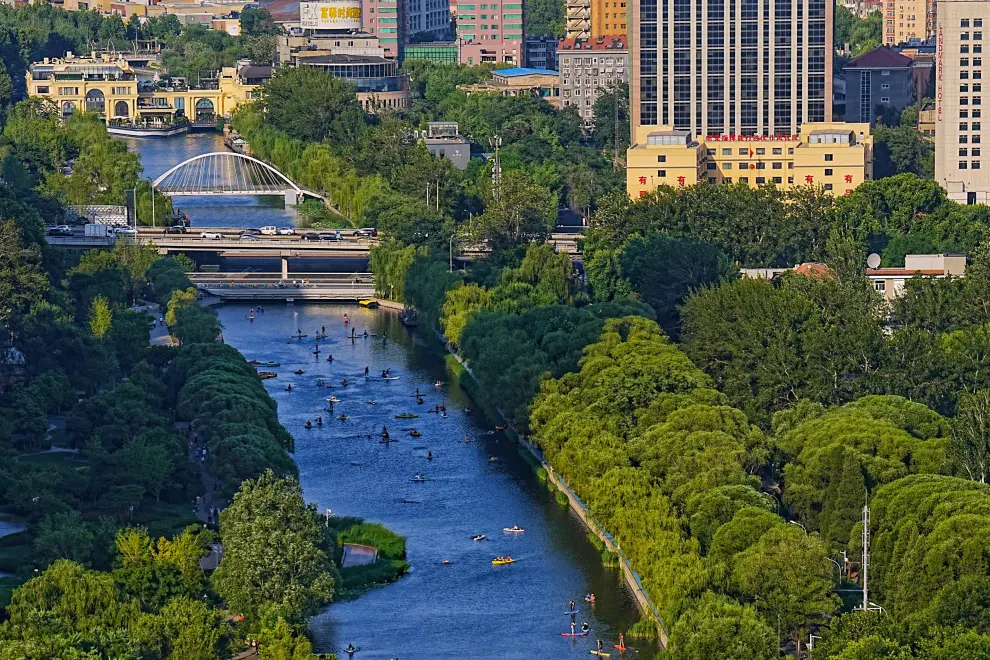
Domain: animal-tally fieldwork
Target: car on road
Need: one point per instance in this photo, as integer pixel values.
(249, 237)
(175, 229)
(286, 231)
(213, 235)
(311, 237)
(59, 230)
(125, 231)
(366, 232)
(270, 230)
(252, 231)
(328, 236)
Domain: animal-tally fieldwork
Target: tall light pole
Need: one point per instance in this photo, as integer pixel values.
(451, 253)
(866, 556)
(153, 205)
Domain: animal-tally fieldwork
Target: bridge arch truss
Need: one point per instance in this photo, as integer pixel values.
(226, 173)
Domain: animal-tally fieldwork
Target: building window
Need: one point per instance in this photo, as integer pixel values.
(710, 166)
(744, 152)
(963, 126)
(761, 179)
(885, 73)
(661, 159)
(964, 36)
(828, 171)
(744, 179)
(963, 151)
(975, 152)
(962, 164)
(964, 22)
(761, 152)
(726, 152)
(828, 186)
(885, 99)
(43, 89)
(963, 139)
(964, 61)
(777, 151)
(964, 48)
(829, 157)
(777, 179)
(885, 86)
(880, 286)
(964, 88)
(661, 172)
(778, 166)
(975, 165)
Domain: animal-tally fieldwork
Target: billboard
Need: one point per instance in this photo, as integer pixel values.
(337, 15)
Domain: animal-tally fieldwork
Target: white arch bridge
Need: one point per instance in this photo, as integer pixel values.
(229, 173)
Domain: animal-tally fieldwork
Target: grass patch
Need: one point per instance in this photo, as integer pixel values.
(561, 498)
(314, 213)
(643, 629)
(64, 458)
(391, 563)
(7, 586)
(17, 538)
(610, 559)
(597, 542)
(14, 557)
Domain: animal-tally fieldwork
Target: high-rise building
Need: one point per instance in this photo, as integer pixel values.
(577, 14)
(958, 101)
(490, 32)
(907, 19)
(589, 68)
(731, 67)
(608, 17)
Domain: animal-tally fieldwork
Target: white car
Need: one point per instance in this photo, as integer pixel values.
(286, 231)
(269, 231)
(214, 235)
(125, 231)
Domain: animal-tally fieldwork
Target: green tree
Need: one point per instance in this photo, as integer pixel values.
(312, 105)
(22, 283)
(970, 446)
(100, 317)
(788, 575)
(257, 21)
(719, 628)
(275, 551)
(521, 212)
(63, 535)
(902, 149)
(279, 642)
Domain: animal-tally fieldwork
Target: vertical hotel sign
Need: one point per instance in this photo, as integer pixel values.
(940, 49)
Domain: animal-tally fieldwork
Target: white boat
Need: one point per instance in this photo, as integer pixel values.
(148, 131)
(513, 530)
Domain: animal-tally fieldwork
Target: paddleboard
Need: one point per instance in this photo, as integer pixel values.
(391, 377)
(571, 612)
(581, 634)
(621, 648)
(602, 654)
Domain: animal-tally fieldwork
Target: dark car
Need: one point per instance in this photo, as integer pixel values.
(249, 237)
(311, 237)
(328, 236)
(175, 229)
(251, 232)
(367, 232)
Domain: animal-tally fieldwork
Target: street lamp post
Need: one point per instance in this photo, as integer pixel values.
(794, 522)
(451, 253)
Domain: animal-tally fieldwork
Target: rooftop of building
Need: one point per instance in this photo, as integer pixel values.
(522, 71)
(603, 42)
(880, 57)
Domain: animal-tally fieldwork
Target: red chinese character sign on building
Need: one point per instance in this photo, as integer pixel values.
(680, 181)
(808, 178)
(849, 178)
(642, 180)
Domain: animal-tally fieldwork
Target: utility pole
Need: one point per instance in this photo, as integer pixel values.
(866, 556)
(152, 206)
(451, 252)
(496, 142)
(615, 138)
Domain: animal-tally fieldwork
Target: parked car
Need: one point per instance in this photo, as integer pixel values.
(214, 235)
(311, 237)
(286, 231)
(59, 230)
(175, 229)
(328, 236)
(366, 232)
(269, 230)
(249, 237)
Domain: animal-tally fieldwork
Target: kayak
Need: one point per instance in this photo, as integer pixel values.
(479, 537)
(503, 562)
(406, 416)
(415, 434)
(513, 530)
(581, 634)
(264, 363)
(265, 375)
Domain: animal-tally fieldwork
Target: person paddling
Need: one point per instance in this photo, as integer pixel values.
(366, 372)
(570, 606)
(572, 627)
(600, 650)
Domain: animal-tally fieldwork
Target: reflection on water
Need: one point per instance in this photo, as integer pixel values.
(467, 608)
(158, 155)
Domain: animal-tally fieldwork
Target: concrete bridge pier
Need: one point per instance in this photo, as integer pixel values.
(292, 197)
(285, 268)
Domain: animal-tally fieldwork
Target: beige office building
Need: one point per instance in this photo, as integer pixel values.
(728, 67)
(959, 101)
(907, 19)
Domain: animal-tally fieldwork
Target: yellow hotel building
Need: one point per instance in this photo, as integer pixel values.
(838, 156)
(107, 85)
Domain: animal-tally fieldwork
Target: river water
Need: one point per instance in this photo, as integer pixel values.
(467, 608)
(161, 154)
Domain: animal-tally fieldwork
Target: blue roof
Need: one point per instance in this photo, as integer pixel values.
(524, 72)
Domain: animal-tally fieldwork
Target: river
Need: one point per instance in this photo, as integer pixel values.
(160, 154)
(467, 608)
